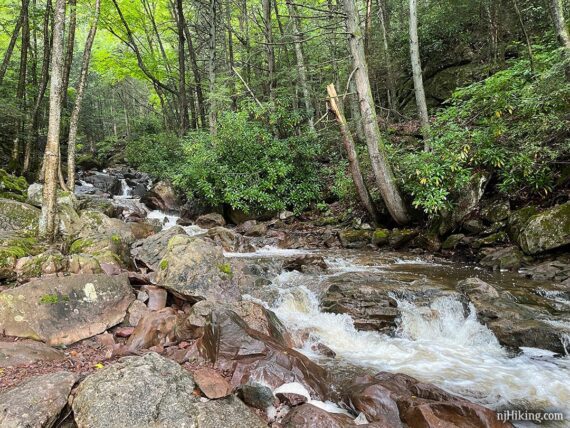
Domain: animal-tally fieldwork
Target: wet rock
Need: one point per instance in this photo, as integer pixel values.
(161, 197)
(380, 237)
(104, 182)
(154, 329)
(556, 270)
(26, 352)
(196, 269)
(491, 240)
(452, 241)
(229, 240)
(208, 221)
(291, 399)
(194, 208)
(546, 231)
(135, 312)
(476, 286)
(62, 311)
(257, 395)
(309, 416)
(473, 226)
(388, 398)
(263, 320)
(400, 237)
(248, 355)
(529, 333)
(37, 402)
(509, 258)
(307, 263)
(16, 215)
(252, 228)
(150, 251)
(355, 238)
(156, 297)
(211, 383)
(322, 349)
(153, 391)
(427, 241)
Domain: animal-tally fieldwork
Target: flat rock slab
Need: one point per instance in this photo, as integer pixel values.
(13, 354)
(211, 383)
(16, 215)
(62, 311)
(153, 391)
(37, 402)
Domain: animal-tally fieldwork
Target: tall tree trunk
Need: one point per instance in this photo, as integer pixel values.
(417, 69)
(525, 33)
(353, 163)
(81, 85)
(561, 32)
(13, 40)
(270, 48)
(381, 168)
(390, 81)
(48, 220)
(32, 136)
(212, 28)
(197, 77)
(301, 69)
(231, 58)
(70, 48)
(183, 100)
(21, 89)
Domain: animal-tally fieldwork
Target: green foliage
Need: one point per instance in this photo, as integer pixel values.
(226, 268)
(245, 166)
(53, 299)
(157, 154)
(512, 125)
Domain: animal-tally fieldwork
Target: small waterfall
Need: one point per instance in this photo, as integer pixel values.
(126, 191)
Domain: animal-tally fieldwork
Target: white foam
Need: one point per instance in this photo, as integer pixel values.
(269, 251)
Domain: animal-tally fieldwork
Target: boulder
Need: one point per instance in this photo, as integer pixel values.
(400, 237)
(150, 251)
(152, 391)
(83, 263)
(16, 215)
(546, 231)
(452, 241)
(14, 245)
(307, 263)
(196, 269)
(388, 398)
(509, 258)
(156, 297)
(35, 195)
(495, 210)
(161, 197)
(257, 395)
(154, 329)
(211, 383)
(248, 355)
(491, 240)
(229, 240)
(237, 216)
(62, 311)
(136, 311)
(26, 352)
(194, 208)
(380, 237)
(208, 221)
(104, 182)
(310, 416)
(47, 263)
(355, 238)
(37, 402)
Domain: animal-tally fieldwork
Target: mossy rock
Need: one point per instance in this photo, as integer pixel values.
(494, 239)
(355, 238)
(380, 237)
(496, 210)
(16, 215)
(49, 262)
(14, 246)
(546, 231)
(400, 237)
(452, 241)
(519, 219)
(12, 187)
(79, 245)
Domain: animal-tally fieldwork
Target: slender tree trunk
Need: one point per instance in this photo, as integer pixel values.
(561, 32)
(70, 48)
(301, 69)
(213, 113)
(183, 100)
(32, 137)
(13, 40)
(21, 89)
(367, 27)
(348, 142)
(381, 168)
(48, 220)
(197, 77)
(417, 69)
(270, 48)
(231, 58)
(525, 33)
(391, 83)
(81, 85)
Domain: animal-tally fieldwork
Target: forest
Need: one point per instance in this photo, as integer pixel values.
(183, 182)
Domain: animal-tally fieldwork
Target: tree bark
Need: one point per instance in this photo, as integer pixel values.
(417, 69)
(183, 100)
(561, 32)
(526, 36)
(382, 171)
(213, 113)
(269, 47)
(21, 89)
(81, 85)
(48, 220)
(301, 69)
(70, 48)
(13, 40)
(348, 142)
(391, 83)
(197, 76)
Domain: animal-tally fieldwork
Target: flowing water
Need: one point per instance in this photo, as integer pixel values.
(439, 342)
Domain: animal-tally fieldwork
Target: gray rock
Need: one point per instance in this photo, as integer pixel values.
(452, 241)
(62, 311)
(150, 251)
(104, 182)
(509, 258)
(26, 352)
(208, 221)
(16, 215)
(152, 391)
(161, 197)
(257, 395)
(545, 231)
(37, 402)
(196, 269)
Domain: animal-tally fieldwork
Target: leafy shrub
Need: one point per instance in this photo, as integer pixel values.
(157, 154)
(513, 125)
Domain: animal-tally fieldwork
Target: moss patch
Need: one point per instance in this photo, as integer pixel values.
(79, 245)
(53, 299)
(225, 268)
(163, 264)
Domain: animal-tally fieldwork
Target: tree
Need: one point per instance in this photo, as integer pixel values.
(417, 69)
(561, 32)
(48, 219)
(13, 39)
(74, 120)
(382, 171)
(183, 101)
